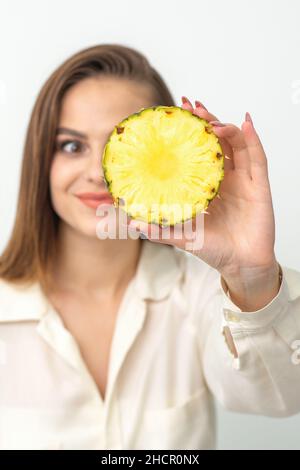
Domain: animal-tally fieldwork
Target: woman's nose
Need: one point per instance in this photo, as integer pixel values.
(94, 169)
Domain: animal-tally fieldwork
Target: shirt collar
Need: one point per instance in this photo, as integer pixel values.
(21, 303)
(157, 271)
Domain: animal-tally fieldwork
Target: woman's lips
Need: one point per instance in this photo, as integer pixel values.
(95, 201)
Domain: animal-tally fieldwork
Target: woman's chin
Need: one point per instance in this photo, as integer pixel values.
(102, 223)
(99, 227)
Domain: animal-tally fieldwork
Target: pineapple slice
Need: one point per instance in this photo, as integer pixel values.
(163, 165)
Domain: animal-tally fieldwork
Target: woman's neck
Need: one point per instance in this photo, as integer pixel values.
(94, 266)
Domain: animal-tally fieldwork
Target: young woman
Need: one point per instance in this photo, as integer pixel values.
(123, 343)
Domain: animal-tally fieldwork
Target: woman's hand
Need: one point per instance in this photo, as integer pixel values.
(239, 229)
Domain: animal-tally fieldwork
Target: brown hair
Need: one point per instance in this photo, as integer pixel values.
(32, 244)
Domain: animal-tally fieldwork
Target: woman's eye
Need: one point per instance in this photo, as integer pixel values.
(69, 146)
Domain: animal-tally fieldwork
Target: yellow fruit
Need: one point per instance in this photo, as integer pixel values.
(163, 165)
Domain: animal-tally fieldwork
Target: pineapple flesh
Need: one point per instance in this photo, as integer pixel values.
(163, 165)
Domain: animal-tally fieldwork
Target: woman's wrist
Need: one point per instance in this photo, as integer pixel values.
(253, 293)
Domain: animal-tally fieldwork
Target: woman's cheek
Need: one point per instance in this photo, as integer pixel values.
(63, 174)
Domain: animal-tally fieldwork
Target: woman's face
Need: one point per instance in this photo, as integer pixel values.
(89, 112)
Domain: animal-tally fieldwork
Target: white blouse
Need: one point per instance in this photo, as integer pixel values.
(168, 361)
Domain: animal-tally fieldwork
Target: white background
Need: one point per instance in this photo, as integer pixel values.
(233, 55)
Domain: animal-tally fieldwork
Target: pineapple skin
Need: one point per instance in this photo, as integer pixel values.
(119, 129)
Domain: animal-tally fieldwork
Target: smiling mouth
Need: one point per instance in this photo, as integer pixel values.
(94, 203)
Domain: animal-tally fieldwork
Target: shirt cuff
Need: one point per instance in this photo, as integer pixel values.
(239, 320)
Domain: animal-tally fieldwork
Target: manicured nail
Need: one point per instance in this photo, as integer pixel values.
(184, 99)
(143, 236)
(217, 124)
(200, 105)
(248, 118)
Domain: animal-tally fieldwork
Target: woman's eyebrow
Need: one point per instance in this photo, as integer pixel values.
(65, 130)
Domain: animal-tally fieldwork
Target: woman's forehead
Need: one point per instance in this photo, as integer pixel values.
(97, 105)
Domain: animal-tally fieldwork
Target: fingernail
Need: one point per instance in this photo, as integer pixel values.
(217, 124)
(200, 105)
(248, 118)
(184, 99)
(143, 236)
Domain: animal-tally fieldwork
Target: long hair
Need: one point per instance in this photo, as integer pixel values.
(33, 242)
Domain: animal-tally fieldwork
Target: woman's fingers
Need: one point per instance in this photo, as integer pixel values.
(153, 232)
(235, 137)
(198, 110)
(201, 111)
(258, 159)
(186, 104)
(204, 114)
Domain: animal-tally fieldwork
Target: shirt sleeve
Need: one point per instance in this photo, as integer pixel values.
(264, 378)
